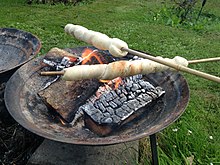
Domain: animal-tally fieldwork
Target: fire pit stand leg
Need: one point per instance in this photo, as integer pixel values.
(153, 144)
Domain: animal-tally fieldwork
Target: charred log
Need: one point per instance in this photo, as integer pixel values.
(115, 108)
(66, 97)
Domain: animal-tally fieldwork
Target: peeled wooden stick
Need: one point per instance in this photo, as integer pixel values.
(204, 60)
(52, 73)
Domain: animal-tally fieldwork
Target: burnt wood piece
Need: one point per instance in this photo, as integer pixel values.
(117, 107)
(65, 97)
(55, 59)
(56, 55)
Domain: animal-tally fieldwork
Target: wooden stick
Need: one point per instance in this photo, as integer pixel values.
(52, 73)
(172, 65)
(204, 60)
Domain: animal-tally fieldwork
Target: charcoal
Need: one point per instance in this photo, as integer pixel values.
(118, 107)
(118, 92)
(114, 95)
(110, 110)
(116, 101)
(106, 114)
(124, 91)
(101, 107)
(131, 96)
(135, 87)
(112, 104)
(123, 98)
(152, 94)
(116, 119)
(120, 113)
(138, 91)
(105, 104)
(106, 120)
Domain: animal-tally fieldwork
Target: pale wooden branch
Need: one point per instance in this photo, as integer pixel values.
(52, 73)
(204, 60)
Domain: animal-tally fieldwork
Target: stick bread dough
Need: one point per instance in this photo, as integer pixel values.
(118, 69)
(97, 39)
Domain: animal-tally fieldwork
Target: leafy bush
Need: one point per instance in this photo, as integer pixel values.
(183, 9)
(181, 12)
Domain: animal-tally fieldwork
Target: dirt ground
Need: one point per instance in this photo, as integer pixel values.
(16, 143)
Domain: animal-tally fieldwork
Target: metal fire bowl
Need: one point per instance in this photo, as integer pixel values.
(27, 108)
(16, 48)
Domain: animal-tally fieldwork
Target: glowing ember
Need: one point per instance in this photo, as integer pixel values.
(62, 121)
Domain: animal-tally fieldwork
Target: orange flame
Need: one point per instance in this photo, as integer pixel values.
(105, 81)
(118, 81)
(115, 82)
(72, 59)
(88, 54)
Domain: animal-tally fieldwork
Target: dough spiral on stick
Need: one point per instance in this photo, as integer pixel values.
(118, 69)
(99, 40)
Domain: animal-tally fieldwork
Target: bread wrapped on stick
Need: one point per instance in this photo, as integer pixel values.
(118, 69)
(97, 39)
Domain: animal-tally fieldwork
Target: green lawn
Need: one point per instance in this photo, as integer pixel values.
(196, 133)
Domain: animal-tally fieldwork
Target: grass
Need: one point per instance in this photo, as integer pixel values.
(195, 135)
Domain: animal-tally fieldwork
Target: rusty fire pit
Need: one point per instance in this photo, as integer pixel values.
(16, 48)
(28, 109)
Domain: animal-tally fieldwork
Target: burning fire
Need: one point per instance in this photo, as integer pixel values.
(87, 56)
(115, 82)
